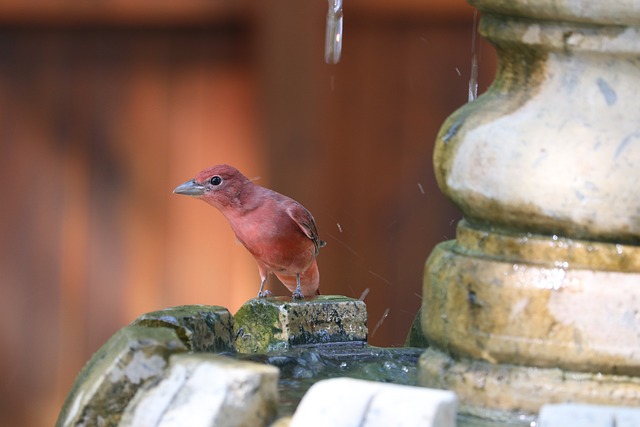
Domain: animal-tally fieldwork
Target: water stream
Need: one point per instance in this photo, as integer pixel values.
(333, 41)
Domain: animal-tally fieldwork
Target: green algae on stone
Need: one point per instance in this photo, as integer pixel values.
(416, 338)
(258, 328)
(200, 327)
(274, 324)
(104, 387)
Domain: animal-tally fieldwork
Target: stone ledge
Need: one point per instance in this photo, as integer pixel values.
(345, 402)
(275, 324)
(206, 390)
(531, 314)
(481, 386)
(136, 358)
(546, 250)
(573, 414)
(104, 387)
(203, 328)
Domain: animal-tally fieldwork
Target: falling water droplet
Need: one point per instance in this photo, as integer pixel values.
(473, 78)
(333, 41)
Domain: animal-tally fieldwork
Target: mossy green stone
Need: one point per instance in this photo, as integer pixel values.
(275, 324)
(104, 387)
(416, 337)
(202, 328)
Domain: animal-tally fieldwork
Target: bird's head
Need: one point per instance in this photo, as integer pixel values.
(219, 185)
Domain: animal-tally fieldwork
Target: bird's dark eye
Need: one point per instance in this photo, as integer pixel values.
(216, 180)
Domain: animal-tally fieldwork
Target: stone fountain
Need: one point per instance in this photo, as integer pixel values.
(201, 366)
(537, 301)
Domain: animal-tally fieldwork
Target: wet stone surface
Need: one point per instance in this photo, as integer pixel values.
(202, 328)
(132, 357)
(204, 389)
(306, 341)
(301, 367)
(274, 324)
(374, 404)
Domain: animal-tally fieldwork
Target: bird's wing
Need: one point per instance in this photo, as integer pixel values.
(307, 224)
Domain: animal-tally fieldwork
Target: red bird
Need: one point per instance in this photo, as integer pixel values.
(278, 231)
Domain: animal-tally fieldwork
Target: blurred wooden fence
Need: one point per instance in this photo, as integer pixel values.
(105, 107)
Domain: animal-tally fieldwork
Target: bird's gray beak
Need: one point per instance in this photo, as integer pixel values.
(190, 188)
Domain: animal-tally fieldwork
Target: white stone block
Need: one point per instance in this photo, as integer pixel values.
(346, 402)
(207, 390)
(583, 415)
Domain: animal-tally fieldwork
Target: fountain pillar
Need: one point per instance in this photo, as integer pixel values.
(538, 298)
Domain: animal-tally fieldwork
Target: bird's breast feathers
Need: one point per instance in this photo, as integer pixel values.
(274, 239)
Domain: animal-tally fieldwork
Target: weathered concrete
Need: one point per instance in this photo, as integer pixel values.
(346, 402)
(104, 387)
(526, 330)
(572, 414)
(203, 390)
(200, 327)
(552, 147)
(512, 392)
(273, 324)
(537, 300)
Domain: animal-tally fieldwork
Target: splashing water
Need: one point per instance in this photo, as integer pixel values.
(333, 41)
(302, 367)
(384, 316)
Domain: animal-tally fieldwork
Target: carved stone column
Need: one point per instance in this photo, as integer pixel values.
(538, 298)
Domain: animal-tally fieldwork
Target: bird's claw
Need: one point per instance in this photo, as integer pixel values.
(264, 294)
(297, 295)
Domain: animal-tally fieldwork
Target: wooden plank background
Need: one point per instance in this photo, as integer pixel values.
(106, 106)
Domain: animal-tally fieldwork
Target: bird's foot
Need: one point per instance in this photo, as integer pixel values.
(297, 295)
(264, 294)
